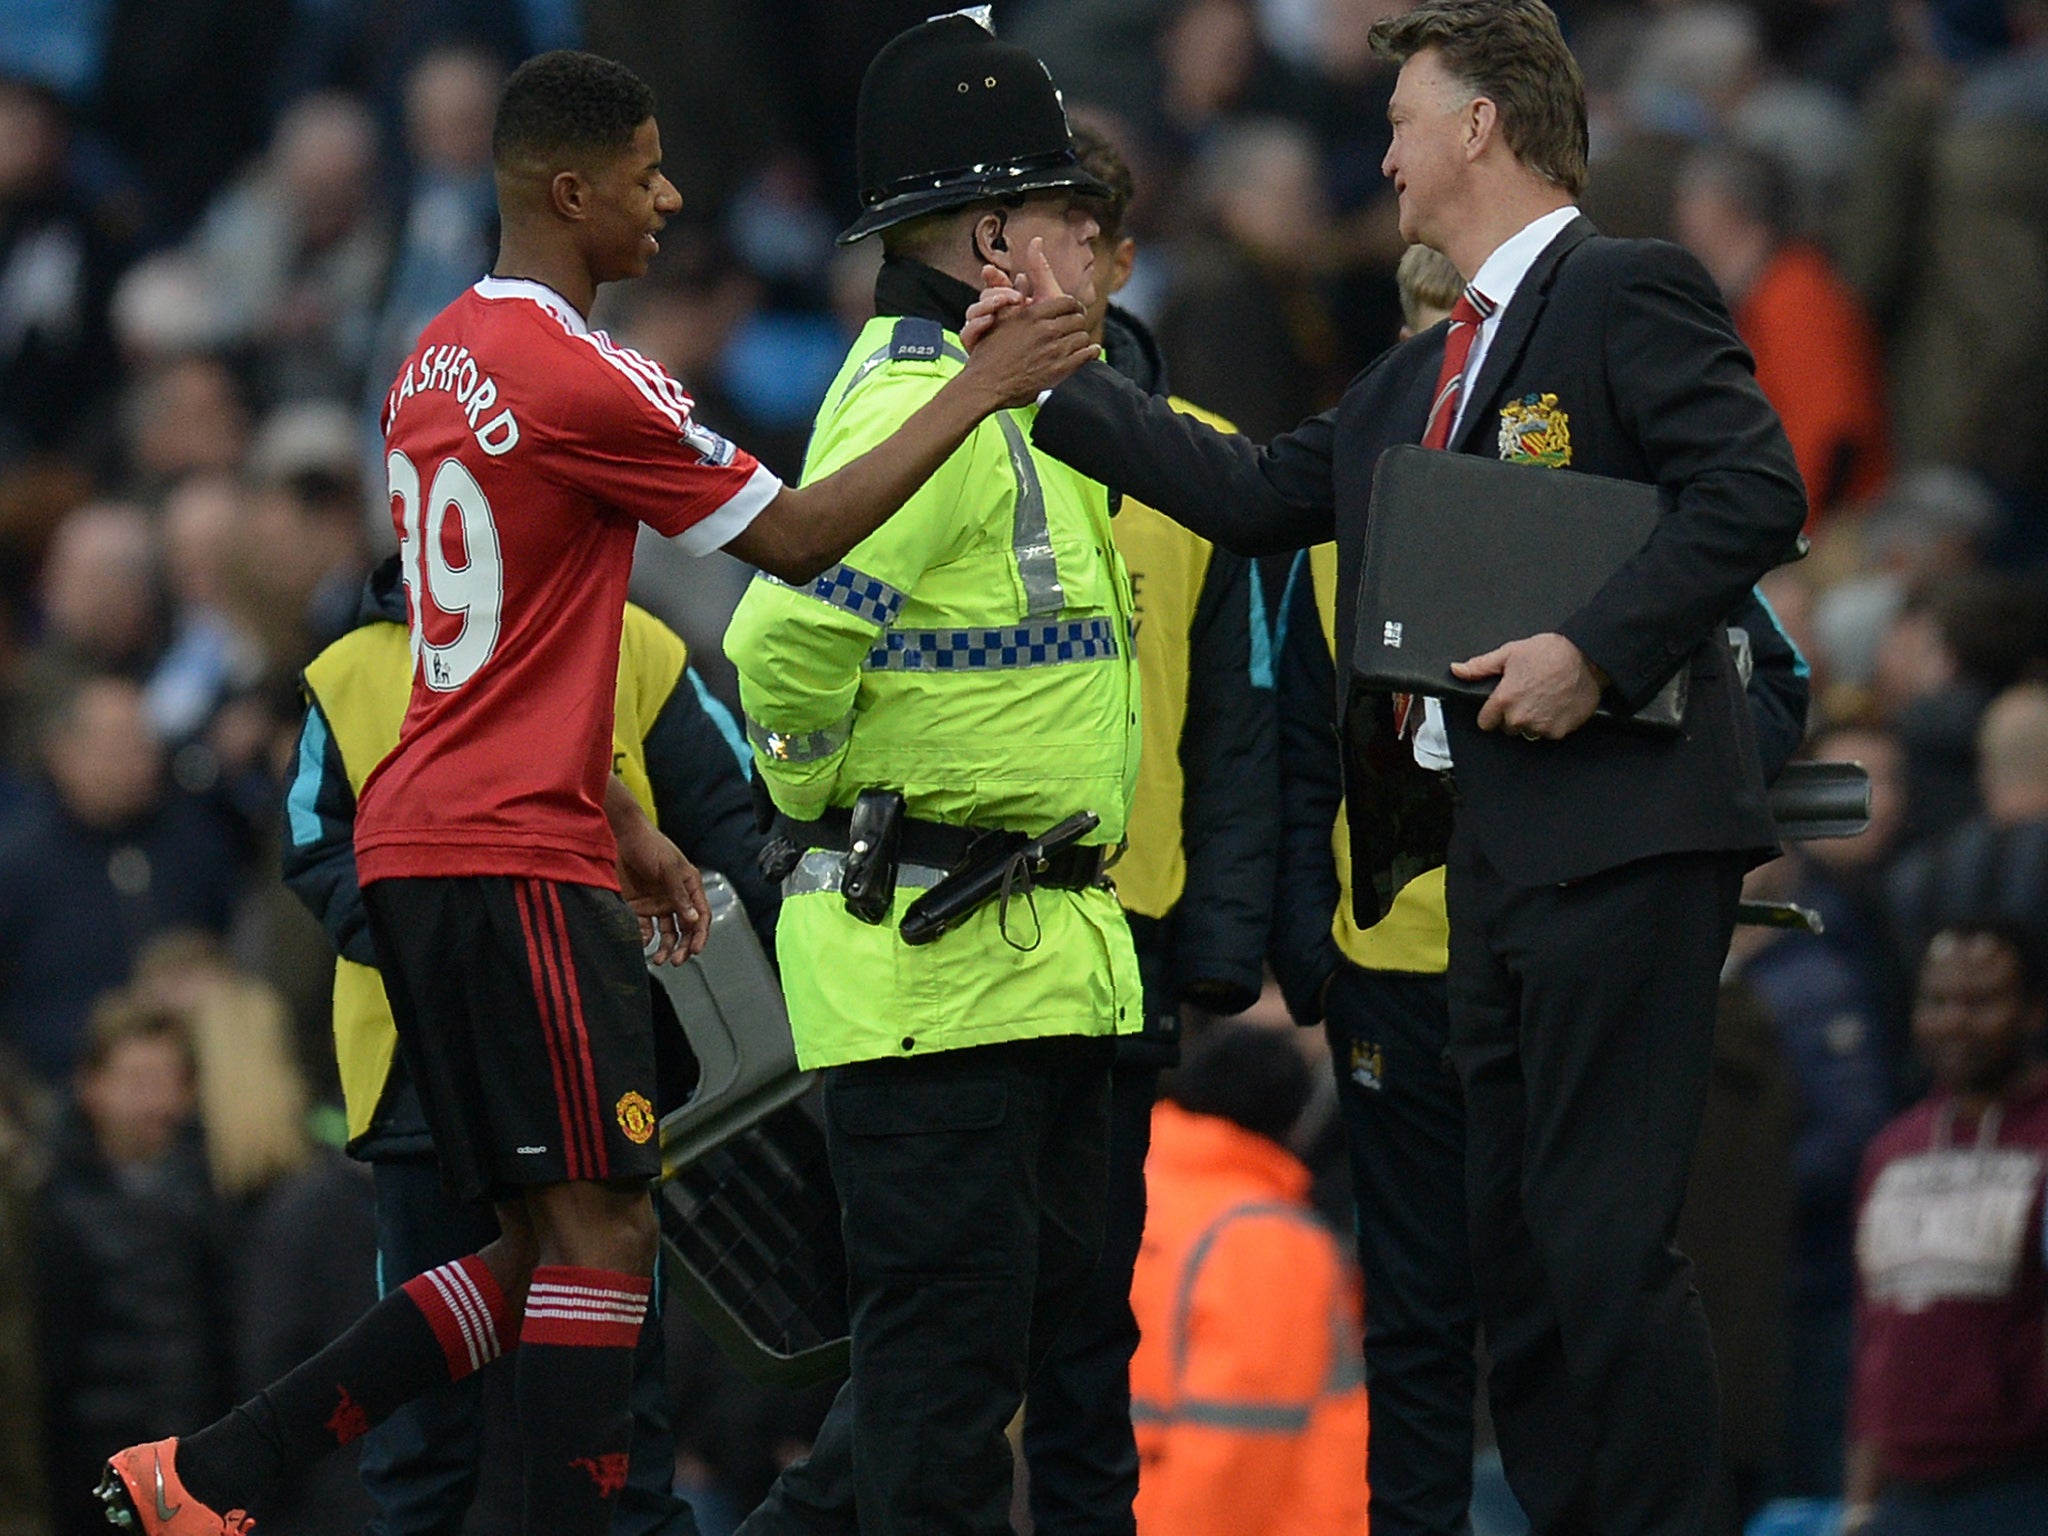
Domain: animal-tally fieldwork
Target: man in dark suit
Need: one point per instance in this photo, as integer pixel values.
(1593, 869)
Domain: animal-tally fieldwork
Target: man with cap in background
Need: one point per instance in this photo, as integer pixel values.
(962, 682)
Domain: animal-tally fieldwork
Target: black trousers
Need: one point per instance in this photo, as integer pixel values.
(971, 1184)
(1582, 1021)
(1079, 1447)
(1404, 1126)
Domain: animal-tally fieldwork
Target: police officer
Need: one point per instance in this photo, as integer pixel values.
(965, 678)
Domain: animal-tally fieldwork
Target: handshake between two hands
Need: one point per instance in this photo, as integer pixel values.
(1024, 335)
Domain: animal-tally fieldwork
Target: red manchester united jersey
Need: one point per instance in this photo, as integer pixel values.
(522, 450)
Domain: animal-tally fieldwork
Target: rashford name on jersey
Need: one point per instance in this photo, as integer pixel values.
(516, 566)
(451, 369)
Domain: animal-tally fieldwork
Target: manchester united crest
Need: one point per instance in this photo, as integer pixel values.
(1533, 430)
(636, 1118)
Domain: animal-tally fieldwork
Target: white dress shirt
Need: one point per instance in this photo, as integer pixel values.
(1497, 278)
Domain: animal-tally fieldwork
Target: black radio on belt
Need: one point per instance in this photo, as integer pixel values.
(874, 836)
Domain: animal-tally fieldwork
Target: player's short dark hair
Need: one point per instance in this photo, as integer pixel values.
(564, 102)
(1512, 53)
(1101, 159)
(1252, 1077)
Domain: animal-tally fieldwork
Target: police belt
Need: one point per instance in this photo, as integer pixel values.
(950, 848)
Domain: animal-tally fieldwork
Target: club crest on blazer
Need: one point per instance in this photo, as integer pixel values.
(1534, 430)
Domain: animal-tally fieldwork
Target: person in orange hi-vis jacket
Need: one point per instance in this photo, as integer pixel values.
(1248, 1387)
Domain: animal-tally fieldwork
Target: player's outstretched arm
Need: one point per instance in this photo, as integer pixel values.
(807, 529)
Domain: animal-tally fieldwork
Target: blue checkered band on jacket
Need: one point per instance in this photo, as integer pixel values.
(967, 650)
(863, 596)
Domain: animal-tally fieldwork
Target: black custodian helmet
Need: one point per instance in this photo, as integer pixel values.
(949, 115)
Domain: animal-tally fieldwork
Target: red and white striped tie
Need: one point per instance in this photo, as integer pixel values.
(1467, 315)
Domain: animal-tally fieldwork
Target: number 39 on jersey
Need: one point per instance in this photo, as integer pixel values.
(454, 577)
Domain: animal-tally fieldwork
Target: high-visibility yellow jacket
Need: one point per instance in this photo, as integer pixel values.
(1197, 878)
(1168, 567)
(973, 653)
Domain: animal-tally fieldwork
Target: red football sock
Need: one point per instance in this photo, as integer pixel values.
(437, 1327)
(575, 1377)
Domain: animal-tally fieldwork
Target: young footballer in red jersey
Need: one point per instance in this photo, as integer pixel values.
(494, 845)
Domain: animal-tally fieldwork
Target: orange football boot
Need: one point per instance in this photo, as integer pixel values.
(144, 1497)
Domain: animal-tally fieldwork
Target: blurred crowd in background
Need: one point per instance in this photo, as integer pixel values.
(222, 222)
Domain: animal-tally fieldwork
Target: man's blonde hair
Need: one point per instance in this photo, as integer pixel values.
(1428, 282)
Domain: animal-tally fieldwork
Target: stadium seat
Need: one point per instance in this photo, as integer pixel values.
(749, 1217)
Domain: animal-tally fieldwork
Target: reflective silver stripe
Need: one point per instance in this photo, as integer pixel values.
(1248, 1418)
(881, 355)
(868, 365)
(1347, 1358)
(1215, 1413)
(823, 870)
(1031, 540)
(981, 650)
(1198, 1255)
(799, 746)
(863, 596)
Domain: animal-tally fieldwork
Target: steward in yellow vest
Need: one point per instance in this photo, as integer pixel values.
(1196, 883)
(1197, 878)
(1317, 919)
(673, 744)
(1379, 993)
